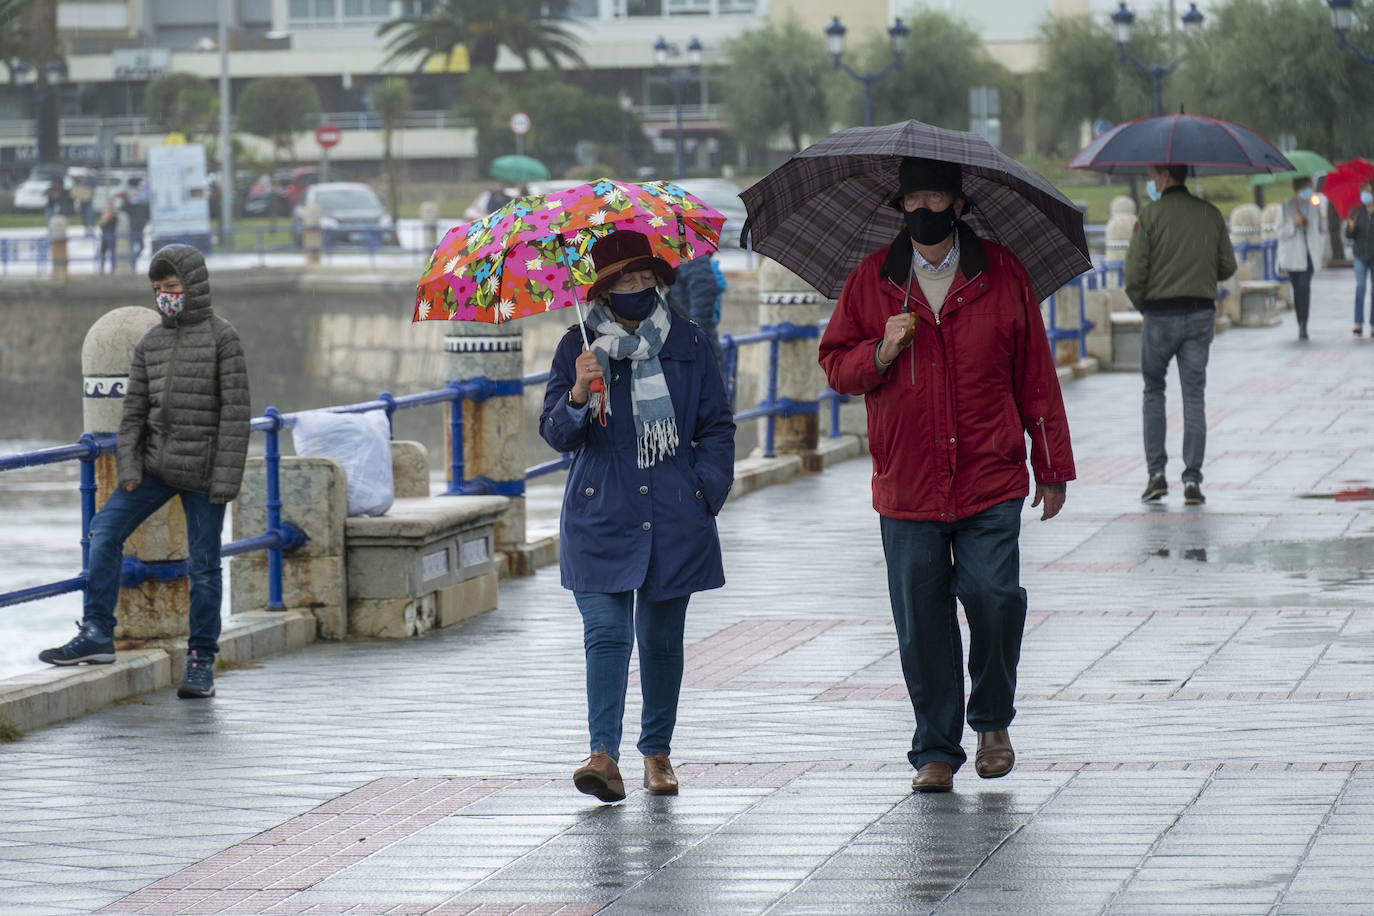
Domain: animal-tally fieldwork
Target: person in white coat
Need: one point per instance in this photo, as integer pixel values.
(1302, 241)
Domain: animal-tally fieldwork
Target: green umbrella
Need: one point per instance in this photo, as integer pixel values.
(1306, 164)
(518, 169)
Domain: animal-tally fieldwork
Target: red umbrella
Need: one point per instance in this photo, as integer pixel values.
(1342, 185)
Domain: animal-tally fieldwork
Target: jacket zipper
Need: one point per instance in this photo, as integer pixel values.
(1045, 441)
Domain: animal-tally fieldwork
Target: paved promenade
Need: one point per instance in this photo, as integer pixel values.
(1195, 731)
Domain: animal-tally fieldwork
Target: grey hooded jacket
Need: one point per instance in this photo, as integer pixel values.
(187, 412)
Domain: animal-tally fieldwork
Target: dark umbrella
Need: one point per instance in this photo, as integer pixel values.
(1208, 146)
(824, 210)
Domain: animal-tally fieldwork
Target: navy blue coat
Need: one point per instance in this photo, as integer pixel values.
(653, 529)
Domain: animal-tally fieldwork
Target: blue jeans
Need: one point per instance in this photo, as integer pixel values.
(610, 623)
(1361, 274)
(1186, 336)
(929, 564)
(117, 519)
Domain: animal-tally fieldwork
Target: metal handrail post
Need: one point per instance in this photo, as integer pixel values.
(87, 499)
(455, 440)
(273, 466)
(773, 348)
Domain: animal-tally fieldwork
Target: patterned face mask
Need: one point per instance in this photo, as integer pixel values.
(171, 304)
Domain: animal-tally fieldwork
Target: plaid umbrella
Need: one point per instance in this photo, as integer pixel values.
(1207, 145)
(824, 210)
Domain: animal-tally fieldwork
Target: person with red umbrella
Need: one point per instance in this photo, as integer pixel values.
(1359, 229)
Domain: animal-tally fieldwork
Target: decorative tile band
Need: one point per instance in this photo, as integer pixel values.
(798, 298)
(493, 344)
(106, 386)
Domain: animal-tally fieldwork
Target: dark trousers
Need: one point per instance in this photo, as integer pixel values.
(929, 564)
(1302, 293)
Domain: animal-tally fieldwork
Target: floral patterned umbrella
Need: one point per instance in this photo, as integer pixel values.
(532, 255)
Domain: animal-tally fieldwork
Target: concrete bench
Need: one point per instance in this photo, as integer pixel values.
(430, 561)
(1259, 304)
(1126, 328)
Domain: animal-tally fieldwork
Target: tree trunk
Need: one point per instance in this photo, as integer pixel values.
(1333, 219)
(389, 166)
(48, 97)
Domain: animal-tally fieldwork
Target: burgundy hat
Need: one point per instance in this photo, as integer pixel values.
(622, 250)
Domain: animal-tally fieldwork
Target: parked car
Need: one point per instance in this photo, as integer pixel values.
(32, 193)
(279, 193)
(351, 213)
(724, 196)
(243, 182)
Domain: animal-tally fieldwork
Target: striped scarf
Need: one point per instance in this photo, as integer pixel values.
(655, 423)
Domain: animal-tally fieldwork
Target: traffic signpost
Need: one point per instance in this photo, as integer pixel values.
(327, 136)
(520, 125)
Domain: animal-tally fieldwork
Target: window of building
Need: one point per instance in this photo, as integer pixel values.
(738, 7)
(688, 7)
(643, 7)
(413, 9)
(584, 9)
(367, 9)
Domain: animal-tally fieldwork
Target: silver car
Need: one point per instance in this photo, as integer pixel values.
(351, 213)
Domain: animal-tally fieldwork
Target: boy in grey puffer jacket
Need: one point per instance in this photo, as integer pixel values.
(184, 432)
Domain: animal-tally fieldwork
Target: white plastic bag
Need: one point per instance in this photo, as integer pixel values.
(361, 442)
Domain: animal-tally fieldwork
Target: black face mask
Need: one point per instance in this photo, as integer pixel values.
(930, 227)
(635, 306)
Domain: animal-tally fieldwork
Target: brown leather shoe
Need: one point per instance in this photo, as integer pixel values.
(659, 777)
(600, 776)
(995, 756)
(935, 776)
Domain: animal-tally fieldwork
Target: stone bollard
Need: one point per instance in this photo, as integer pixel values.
(493, 440)
(156, 609)
(785, 297)
(1245, 230)
(57, 241)
(429, 225)
(312, 236)
(1269, 231)
(1120, 225)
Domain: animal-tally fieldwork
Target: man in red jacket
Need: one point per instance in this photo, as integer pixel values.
(941, 333)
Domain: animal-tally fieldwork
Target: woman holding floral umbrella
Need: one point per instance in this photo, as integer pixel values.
(644, 412)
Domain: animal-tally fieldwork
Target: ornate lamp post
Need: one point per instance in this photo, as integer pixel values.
(677, 78)
(834, 39)
(1123, 20)
(1342, 18)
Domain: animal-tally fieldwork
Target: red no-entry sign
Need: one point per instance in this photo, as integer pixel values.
(327, 135)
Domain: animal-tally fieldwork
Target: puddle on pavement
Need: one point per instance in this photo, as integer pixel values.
(1331, 565)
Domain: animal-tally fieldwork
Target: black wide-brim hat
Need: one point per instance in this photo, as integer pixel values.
(917, 174)
(621, 251)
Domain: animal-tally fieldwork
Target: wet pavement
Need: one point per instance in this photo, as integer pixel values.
(1194, 729)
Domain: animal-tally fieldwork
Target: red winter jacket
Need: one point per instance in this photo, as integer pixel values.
(947, 422)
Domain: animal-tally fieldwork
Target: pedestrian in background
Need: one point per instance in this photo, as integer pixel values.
(1359, 229)
(109, 231)
(653, 461)
(82, 194)
(941, 334)
(1302, 242)
(697, 296)
(183, 433)
(137, 208)
(1179, 253)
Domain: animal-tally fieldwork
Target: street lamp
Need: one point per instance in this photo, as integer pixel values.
(834, 39)
(1122, 22)
(1342, 18)
(677, 78)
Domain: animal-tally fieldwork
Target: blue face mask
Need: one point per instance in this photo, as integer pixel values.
(635, 306)
(1366, 198)
(1151, 190)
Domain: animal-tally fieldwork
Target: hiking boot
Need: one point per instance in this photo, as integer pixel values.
(89, 647)
(1157, 487)
(200, 677)
(1192, 494)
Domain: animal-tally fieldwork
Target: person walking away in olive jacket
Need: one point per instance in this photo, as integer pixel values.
(1359, 228)
(184, 432)
(1180, 250)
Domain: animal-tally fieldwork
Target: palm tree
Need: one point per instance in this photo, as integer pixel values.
(525, 27)
(392, 102)
(16, 34)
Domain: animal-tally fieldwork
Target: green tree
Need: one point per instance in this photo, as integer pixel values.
(943, 61)
(527, 28)
(182, 102)
(1083, 80)
(1274, 66)
(276, 108)
(393, 103)
(774, 82)
(16, 34)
